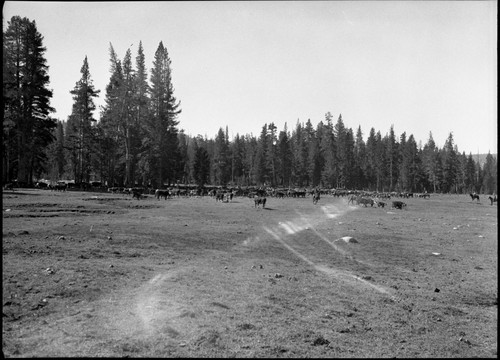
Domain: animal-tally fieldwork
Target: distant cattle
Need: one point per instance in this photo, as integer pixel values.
(162, 193)
(260, 200)
(398, 205)
(316, 197)
(380, 204)
(492, 199)
(425, 195)
(219, 196)
(474, 197)
(353, 198)
(366, 202)
(59, 187)
(136, 194)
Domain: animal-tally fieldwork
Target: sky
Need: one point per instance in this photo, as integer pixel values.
(420, 66)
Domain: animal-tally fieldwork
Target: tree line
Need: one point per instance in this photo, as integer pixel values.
(137, 141)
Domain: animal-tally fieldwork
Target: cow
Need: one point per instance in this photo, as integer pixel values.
(492, 199)
(398, 205)
(162, 193)
(136, 194)
(260, 200)
(219, 196)
(316, 197)
(380, 204)
(59, 187)
(474, 196)
(353, 198)
(366, 201)
(426, 195)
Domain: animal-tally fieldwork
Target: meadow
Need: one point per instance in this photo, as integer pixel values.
(98, 274)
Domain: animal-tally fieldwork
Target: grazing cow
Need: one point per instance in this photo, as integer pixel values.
(260, 200)
(492, 199)
(474, 196)
(366, 201)
(60, 187)
(316, 197)
(219, 196)
(162, 193)
(353, 198)
(398, 205)
(136, 194)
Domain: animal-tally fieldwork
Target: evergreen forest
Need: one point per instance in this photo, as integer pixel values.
(138, 140)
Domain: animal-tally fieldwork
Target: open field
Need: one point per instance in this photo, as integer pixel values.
(91, 274)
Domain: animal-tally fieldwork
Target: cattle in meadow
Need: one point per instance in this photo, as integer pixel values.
(260, 200)
(366, 202)
(398, 205)
(59, 187)
(136, 194)
(162, 193)
(316, 197)
(353, 198)
(380, 204)
(219, 196)
(474, 197)
(492, 199)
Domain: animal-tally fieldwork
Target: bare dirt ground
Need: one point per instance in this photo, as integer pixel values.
(92, 274)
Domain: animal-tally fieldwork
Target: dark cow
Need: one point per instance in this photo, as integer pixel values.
(280, 194)
(398, 205)
(162, 193)
(316, 197)
(219, 196)
(136, 194)
(366, 201)
(492, 199)
(380, 204)
(474, 196)
(59, 187)
(260, 200)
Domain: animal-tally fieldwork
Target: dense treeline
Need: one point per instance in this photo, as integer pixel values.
(137, 142)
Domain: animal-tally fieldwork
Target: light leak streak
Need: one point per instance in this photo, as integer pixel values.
(324, 269)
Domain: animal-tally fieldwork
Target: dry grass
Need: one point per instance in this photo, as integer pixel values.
(190, 277)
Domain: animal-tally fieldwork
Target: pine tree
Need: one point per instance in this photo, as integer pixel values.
(327, 148)
(285, 158)
(80, 135)
(430, 162)
(450, 165)
(201, 166)
(359, 160)
(141, 105)
(27, 126)
(489, 183)
(160, 139)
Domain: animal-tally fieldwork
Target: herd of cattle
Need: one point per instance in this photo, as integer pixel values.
(258, 194)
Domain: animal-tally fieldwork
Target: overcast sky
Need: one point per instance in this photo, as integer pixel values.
(422, 66)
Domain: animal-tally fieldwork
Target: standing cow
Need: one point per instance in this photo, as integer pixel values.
(398, 205)
(260, 200)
